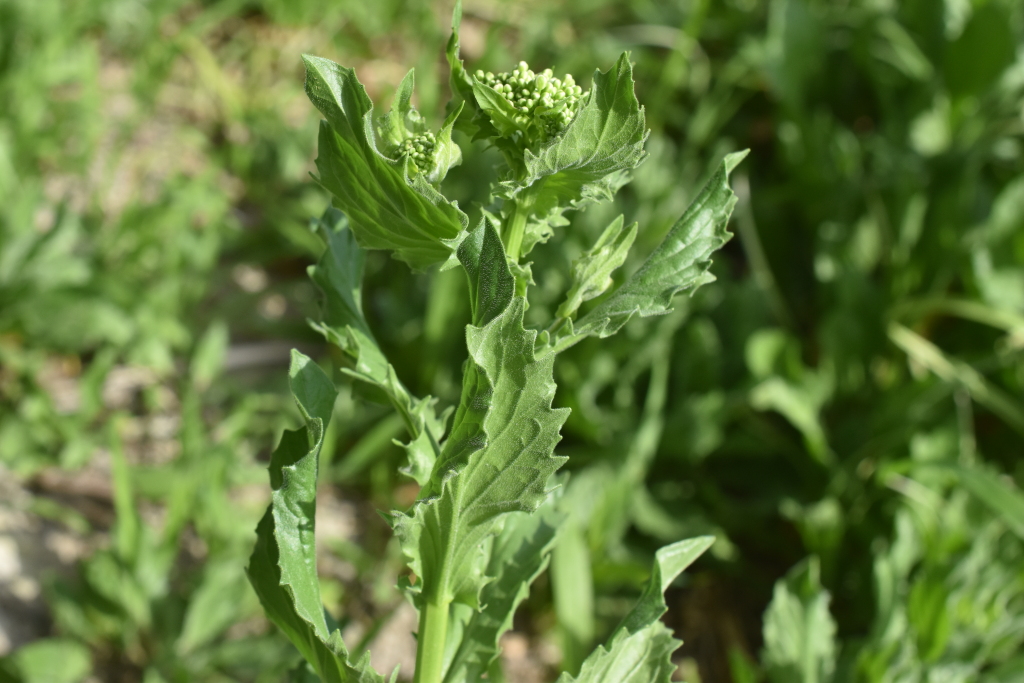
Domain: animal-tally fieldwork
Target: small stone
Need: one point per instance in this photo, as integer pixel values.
(10, 560)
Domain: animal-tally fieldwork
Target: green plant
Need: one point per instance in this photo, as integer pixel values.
(486, 517)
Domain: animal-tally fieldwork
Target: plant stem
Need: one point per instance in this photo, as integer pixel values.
(556, 325)
(431, 640)
(515, 227)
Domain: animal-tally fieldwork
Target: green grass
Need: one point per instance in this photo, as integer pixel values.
(848, 391)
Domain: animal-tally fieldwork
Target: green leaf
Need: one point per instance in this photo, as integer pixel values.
(801, 404)
(799, 631)
(640, 649)
(446, 152)
(489, 292)
(282, 568)
(208, 357)
(214, 606)
(957, 372)
(985, 48)
(680, 262)
(500, 451)
(999, 496)
(929, 616)
(520, 553)
(572, 588)
(497, 108)
(339, 275)
(459, 78)
(403, 121)
(387, 209)
(52, 660)
(893, 44)
(591, 272)
(286, 530)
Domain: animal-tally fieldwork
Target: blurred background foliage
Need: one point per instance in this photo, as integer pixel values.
(842, 409)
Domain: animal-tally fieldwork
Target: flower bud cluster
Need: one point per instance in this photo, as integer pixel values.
(550, 101)
(419, 149)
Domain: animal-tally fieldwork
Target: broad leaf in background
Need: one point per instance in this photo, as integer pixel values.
(1004, 500)
(640, 649)
(282, 568)
(339, 275)
(949, 592)
(52, 660)
(680, 262)
(799, 631)
(214, 605)
(387, 209)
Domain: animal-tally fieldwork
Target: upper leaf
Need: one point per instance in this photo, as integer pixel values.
(339, 276)
(500, 451)
(592, 272)
(491, 284)
(403, 121)
(640, 649)
(388, 208)
(282, 568)
(680, 262)
(460, 80)
(498, 109)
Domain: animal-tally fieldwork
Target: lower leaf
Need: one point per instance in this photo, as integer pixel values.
(640, 649)
(282, 568)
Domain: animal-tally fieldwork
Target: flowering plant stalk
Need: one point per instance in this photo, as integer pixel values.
(485, 521)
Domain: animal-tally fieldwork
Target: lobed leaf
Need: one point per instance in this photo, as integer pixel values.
(500, 451)
(680, 262)
(519, 554)
(640, 649)
(282, 568)
(387, 208)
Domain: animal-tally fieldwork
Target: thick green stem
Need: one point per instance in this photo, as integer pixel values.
(430, 641)
(515, 227)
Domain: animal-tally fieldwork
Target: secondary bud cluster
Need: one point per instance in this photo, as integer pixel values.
(419, 149)
(550, 101)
